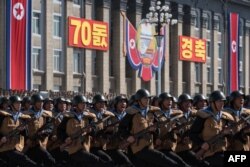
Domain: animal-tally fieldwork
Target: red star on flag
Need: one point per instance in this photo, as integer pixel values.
(18, 10)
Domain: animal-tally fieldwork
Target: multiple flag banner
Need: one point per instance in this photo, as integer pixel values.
(140, 45)
(141, 48)
(18, 44)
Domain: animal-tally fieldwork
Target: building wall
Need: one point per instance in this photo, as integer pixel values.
(108, 71)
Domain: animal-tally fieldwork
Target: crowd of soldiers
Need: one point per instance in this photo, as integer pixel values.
(142, 131)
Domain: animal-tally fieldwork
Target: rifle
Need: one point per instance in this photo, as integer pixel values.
(200, 154)
(124, 144)
(82, 131)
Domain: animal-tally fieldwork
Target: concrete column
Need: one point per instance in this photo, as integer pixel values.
(68, 50)
(117, 48)
(177, 65)
(88, 53)
(3, 44)
(135, 18)
(216, 54)
(103, 14)
(48, 45)
(247, 53)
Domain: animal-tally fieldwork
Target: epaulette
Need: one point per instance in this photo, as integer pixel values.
(203, 114)
(131, 110)
(108, 113)
(47, 113)
(227, 116)
(153, 109)
(4, 113)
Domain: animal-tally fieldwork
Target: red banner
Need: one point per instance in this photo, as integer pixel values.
(192, 49)
(18, 44)
(88, 34)
(233, 50)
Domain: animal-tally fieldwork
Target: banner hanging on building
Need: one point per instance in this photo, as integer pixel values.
(233, 52)
(89, 34)
(192, 49)
(141, 48)
(18, 38)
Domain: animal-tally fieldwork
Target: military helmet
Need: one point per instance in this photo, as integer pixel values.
(13, 99)
(217, 95)
(68, 101)
(26, 99)
(198, 98)
(141, 93)
(36, 98)
(79, 99)
(184, 97)
(164, 96)
(98, 98)
(119, 99)
(59, 100)
(175, 100)
(236, 94)
(48, 99)
(3, 100)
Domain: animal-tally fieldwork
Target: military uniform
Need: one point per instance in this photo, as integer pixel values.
(142, 151)
(39, 129)
(241, 140)
(206, 126)
(79, 149)
(11, 151)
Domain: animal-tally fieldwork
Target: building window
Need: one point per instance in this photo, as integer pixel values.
(220, 75)
(36, 56)
(58, 63)
(77, 62)
(209, 75)
(57, 30)
(77, 2)
(198, 72)
(208, 49)
(36, 87)
(36, 20)
(56, 88)
(76, 88)
(57, 1)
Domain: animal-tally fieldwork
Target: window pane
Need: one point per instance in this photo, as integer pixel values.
(57, 60)
(36, 23)
(57, 27)
(36, 58)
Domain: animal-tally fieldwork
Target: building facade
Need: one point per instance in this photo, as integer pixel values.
(56, 66)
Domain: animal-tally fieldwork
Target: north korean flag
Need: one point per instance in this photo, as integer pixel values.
(18, 38)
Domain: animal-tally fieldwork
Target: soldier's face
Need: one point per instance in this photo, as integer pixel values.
(81, 106)
(201, 104)
(186, 105)
(167, 103)
(144, 102)
(38, 105)
(219, 104)
(62, 106)
(100, 106)
(17, 106)
(121, 106)
(239, 102)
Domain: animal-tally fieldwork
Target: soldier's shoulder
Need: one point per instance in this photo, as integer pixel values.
(132, 110)
(47, 113)
(89, 114)
(227, 116)
(108, 113)
(154, 109)
(202, 114)
(25, 116)
(246, 111)
(176, 112)
(4, 113)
